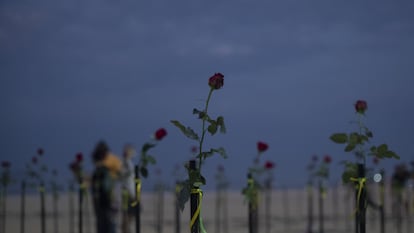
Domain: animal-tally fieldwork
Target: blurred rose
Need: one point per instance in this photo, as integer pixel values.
(269, 165)
(262, 147)
(5, 164)
(194, 149)
(79, 157)
(361, 106)
(40, 151)
(327, 159)
(160, 134)
(216, 81)
(375, 160)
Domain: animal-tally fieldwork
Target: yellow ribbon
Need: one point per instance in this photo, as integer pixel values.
(41, 189)
(361, 182)
(198, 210)
(138, 188)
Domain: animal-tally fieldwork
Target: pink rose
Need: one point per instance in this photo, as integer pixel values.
(361, 106)
(216, 81)
(160, 134)
(262, 147)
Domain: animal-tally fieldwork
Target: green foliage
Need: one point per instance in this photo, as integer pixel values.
(339, 138)
(187, 131)
(350, 171)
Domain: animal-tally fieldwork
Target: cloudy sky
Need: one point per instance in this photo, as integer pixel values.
(74, 72)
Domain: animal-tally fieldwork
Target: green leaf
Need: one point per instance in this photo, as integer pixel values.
(144, 172)
(349, 147)
(221, 151)
(150, 159)
(184, 194)
(391, 154)
(146, 147)
(212, 128)
(354, 138)
(220, 123)
(382, 149)
(339, 138)
(187, 131)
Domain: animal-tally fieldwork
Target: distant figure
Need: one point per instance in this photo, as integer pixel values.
(107, 169)
(128, 188)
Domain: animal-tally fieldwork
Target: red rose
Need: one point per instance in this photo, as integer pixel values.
(40, 151)
(5, 164)
(375, 160)
(269, 165)
(361, 106)
(262, 147)
(79, 157)
(160, 134)
(34, 160)
(216, 81)
(194, 149)
(327, 159)
(74, 166)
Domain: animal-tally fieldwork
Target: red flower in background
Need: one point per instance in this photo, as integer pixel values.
(194, 149)
(327, 159)
(262, 147)
(160, 134)
(5, 164)
(216, 81)
(40, 151)
(79, 157)
(34, 160)
(269, 165)
(375, 160)
(361, 106)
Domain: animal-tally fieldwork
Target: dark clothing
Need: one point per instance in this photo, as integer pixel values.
(103, 202)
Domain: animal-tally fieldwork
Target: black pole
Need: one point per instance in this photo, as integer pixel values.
(71, 209)
(194, 198)
(138, 201)
(320, 200)
(177, 208)
(268, 205)
(310, 207)
(42, 208)
(253, 208)
(80, 210)
(23, 206)
(382, 202)
(361, 201)
(55, 212)
(3, 204)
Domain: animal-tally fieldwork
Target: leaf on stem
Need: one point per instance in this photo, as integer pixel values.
(339, 138)
(187, 131)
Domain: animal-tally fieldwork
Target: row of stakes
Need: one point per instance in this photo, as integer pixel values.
(361, 203)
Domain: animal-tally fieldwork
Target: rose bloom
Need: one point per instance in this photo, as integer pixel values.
(216, 81)
(375, 160)
(327, 159)
(262, 147)
(5, 164)
(269, 165)
(160, 134)
(361, 106)
(79, 157)
(40, 151)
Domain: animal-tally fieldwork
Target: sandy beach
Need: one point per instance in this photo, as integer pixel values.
(288, 214)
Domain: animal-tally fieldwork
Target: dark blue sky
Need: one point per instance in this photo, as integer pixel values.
(74, 72)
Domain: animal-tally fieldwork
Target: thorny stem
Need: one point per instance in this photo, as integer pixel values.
(203, 130)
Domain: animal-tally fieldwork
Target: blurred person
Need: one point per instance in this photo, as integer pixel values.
(128, 188)
(105, 175)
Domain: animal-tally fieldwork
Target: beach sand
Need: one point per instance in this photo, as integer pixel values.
(288, 214)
